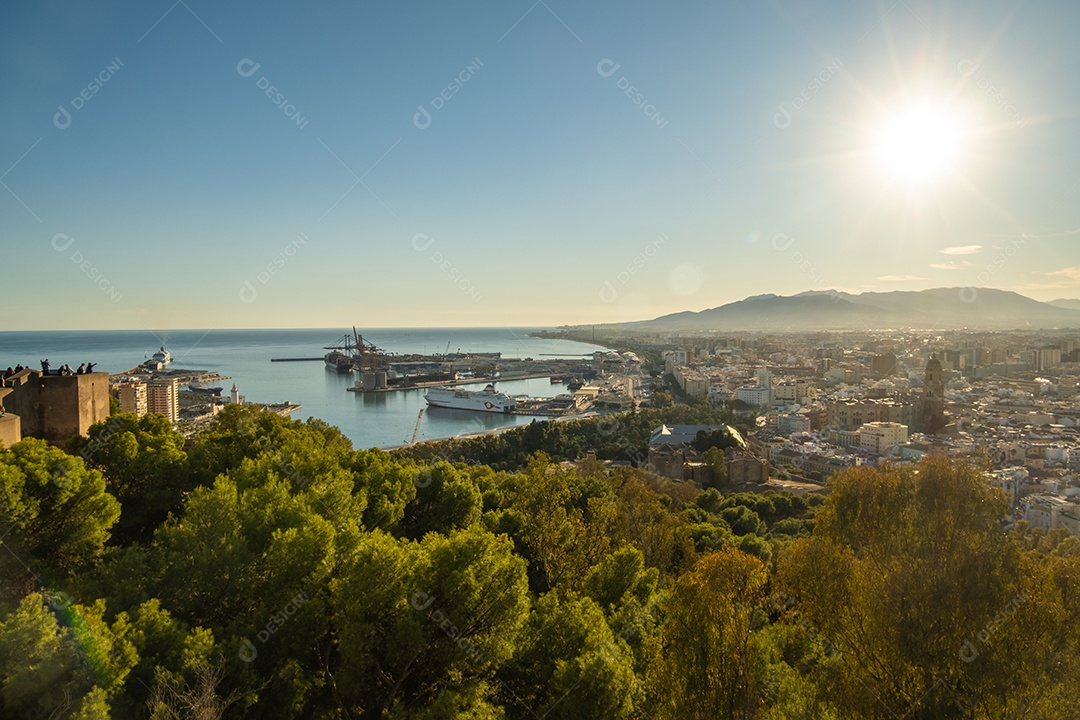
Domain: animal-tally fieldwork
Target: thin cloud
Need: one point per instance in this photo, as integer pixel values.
(1060, 279)
(961, 250)
(1071, 274)
(949, 266)
(898, 278)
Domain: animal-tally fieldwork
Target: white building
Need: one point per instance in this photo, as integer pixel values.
(693, 382)
(841, 437)
(674, 358)
(790, 423)
(1010, 481)
(1047, 512)
(792, 391)
(881, 437)
(757, 396)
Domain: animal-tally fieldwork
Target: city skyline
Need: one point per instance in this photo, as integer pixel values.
(181, 165)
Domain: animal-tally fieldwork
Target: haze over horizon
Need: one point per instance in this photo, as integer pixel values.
(526, 164)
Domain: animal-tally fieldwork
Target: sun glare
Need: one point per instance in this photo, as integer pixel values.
(920, 143)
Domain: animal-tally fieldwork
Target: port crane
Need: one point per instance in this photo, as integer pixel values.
(416, 428)
(367, 355)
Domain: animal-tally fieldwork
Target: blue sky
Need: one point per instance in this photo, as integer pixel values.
(520, 163)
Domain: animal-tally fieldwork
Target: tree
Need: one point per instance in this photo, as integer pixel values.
(563, 538)
(240, 432)
(714, 458)
(268, 545)
(709, 665)
(145, 468)
(389, 486)
(176, 698)
(170, 655)
(903, 572)
(49, 670)
(719, 438)
(56, 512)
(445, 500)
(424, 624)
(571, 666)
(619, 578)
(743, 521)
(626, 590)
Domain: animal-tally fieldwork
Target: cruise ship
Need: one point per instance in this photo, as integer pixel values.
(486, 400)
(159, 360)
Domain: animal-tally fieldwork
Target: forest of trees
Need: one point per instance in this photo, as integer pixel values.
(266, 569)
(620, 436)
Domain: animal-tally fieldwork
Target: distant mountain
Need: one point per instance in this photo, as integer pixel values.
(1065, 303)
(944, 308)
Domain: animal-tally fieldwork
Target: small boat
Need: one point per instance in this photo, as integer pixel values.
(486, 400)
(198, 388)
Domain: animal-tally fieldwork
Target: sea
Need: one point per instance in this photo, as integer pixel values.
(243, 356)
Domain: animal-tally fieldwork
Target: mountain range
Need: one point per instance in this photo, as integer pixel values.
(938, 308)
(1071, 304)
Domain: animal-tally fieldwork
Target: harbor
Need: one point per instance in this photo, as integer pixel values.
(377, 371)
(309, 389)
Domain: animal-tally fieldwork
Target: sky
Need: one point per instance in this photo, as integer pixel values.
(192, 164)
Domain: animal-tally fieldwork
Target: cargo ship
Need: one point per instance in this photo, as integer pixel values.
(198, 388)
(486, 400)
(340, 361)
(343, 353)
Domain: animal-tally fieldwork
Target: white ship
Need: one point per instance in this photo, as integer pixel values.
(159, 361)
(162, 356)
(486, 400)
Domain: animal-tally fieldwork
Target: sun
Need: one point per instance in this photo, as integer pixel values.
(920, 143)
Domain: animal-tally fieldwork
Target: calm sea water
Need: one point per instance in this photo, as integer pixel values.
(369, 420)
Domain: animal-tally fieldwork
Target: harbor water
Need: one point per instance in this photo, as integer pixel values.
(368, 419)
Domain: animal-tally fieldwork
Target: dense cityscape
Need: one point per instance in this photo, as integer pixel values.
(825, 402)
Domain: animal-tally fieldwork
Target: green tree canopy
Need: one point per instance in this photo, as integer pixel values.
(55, 512)
(425, 624)
(49, 669)
(145, 468)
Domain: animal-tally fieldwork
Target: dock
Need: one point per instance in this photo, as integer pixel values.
(295, 359)
(181, 376)
(284, 409)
